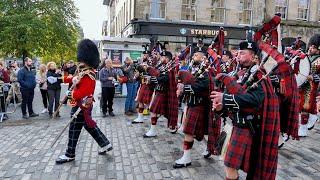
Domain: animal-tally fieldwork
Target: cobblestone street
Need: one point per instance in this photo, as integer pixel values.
(25, 151)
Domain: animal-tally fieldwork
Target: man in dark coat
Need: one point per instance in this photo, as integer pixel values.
(254, 110)
(27, 80)
(164, 101)
(196, 96)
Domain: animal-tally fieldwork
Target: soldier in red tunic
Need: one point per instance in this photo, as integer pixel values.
(82, 97)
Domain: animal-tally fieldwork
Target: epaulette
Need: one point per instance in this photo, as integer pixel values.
(88, 71)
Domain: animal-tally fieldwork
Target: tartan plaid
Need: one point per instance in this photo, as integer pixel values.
(195, 121)
(308, 96)
(289, 102)
(239, 149)
(267, 28)
(267, 154)
(173, 101)
(214, 122)
(145, 94)
(75, 128)
(159, 103)
(186, 77)
(266, 146)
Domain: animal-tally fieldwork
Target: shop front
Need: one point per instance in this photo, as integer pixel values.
(118, 49)
(179, 35)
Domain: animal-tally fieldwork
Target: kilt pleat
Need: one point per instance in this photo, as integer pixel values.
(145, 94)
(239, 149)
(159, 103)
(194, 123)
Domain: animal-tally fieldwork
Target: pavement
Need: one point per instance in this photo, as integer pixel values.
(25, 151)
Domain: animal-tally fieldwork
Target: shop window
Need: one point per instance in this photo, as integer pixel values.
(158, 9)
(245, 14)
(282, 7)
(188, 10)
(218, 11)
(303, 10)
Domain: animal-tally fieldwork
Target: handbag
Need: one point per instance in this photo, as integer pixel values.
(123, 79)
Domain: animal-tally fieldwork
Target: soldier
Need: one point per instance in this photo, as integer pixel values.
(146, 89)
(164, 101)
(308, 90)
(196, 97)
(88, 58)
(255, 118)
(226, 61)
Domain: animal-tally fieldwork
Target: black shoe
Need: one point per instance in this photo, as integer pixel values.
(104, 115)
(207, 156)
(177, 166)
(25, 116)
(105, 149)
(33, 115)
(111, 114)
(64, 159)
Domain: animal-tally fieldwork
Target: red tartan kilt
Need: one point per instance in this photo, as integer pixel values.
(194, 123)
(239, 149)
(159, 103)
(145, 94)
(305, 105)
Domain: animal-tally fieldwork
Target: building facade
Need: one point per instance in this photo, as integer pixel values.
(182, 22)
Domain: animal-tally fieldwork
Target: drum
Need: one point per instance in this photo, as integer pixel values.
(304, 67)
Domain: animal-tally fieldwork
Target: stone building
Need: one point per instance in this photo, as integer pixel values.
(182, 22)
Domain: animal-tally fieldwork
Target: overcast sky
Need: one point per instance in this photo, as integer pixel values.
(92, 13)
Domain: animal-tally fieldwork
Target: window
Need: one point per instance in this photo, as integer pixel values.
(303, 10)
(188, 10)
(245, 11)
(158, 9)
(281, 7)
(218, 11)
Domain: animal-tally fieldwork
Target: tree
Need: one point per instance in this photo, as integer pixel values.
(43, 28)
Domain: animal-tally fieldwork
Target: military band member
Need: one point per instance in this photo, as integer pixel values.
(308, 90)
(82, 97)
(255, 118)
(146, 89)
(196, 98)
(160, 102)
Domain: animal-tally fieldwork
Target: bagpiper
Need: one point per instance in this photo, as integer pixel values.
(82, 97)
(165, 102)
(146, 89)
(253, 109)
(308, 90)
(196, 96)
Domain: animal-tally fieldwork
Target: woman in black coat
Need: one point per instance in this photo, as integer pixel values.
(54, 87)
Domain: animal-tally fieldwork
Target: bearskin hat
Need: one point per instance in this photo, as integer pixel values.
(315, 40)
(88, 53)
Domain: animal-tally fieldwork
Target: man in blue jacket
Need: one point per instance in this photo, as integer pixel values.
(27, 80)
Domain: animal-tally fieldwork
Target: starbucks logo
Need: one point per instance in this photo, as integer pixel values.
(183, 31)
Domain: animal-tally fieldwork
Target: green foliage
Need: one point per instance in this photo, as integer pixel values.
(42, 28)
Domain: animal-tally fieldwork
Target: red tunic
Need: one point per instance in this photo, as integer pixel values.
(84, 88)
